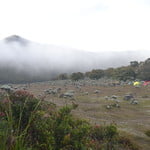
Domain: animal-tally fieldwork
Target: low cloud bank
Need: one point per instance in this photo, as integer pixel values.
(32, 61)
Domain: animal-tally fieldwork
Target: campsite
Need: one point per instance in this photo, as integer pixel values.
(101, 102)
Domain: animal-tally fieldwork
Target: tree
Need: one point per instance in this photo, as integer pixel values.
(144, 70)
(77, 76)
(95, 74)
(134, 64)
(109, 72)
(125, 73)
(63, 76)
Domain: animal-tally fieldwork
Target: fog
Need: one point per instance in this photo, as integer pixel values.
(27, 58)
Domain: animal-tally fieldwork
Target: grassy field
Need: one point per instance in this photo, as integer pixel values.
(134, 119)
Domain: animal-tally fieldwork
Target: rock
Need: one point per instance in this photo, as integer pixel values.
(114, 97)
(7, 88)
(53, 91)
(108, 107)
(86, 93)
(96, 91)
(71, 91)
(68, 95)
(117, 101)
(134, 102)
(116, 105)
(128, 97)
(106, 97)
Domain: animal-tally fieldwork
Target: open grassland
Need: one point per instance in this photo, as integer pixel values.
(92, 106)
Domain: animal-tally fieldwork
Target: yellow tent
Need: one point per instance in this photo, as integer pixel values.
(136, 83)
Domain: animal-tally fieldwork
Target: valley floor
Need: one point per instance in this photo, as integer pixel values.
(102, 104)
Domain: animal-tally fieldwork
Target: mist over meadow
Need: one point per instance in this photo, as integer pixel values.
(23, 60)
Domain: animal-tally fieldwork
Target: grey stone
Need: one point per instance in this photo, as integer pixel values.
(134, 102)
(108, 107)
(114, 97)
(7, 88)
(128, 97)
(96, 91)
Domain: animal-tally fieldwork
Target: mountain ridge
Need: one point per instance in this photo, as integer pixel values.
(35, 60)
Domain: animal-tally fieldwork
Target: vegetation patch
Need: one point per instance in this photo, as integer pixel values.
(28, 123)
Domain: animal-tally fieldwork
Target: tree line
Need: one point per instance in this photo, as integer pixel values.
(136, 70)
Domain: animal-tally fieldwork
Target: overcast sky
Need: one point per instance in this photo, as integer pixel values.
(93, 25)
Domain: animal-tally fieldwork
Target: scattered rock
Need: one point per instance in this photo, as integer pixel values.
(7, 88)
(53, 91)
(115, 105)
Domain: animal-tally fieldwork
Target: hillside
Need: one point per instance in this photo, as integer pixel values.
(22, 60)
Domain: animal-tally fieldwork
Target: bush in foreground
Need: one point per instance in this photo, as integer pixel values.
(27, 123)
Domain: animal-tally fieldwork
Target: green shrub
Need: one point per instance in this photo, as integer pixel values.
(58, 130)
(27, 123)
(18, 113)
(77, 76)
(128, 143)
(95, 74)
(147, 133)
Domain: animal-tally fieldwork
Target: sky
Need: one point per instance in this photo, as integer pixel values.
(90, 25)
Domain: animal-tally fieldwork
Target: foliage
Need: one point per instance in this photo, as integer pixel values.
(134, 64)
(62, 76)
(27, 123)
(109, 73)
(77, 76)
(144, 70)
(95, 74)
(136, 70)
(125, 73)
(147, 133)
(107, 137)
(18, 113)
(41, 126)
(128, 143)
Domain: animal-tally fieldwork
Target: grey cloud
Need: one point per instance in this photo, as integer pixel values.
(44, 61)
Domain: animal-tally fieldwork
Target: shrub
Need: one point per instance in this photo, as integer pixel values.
(95, 74)
(58, 130)
(128, 143)
(63, 76)
(27, 123)
(147, 133)
(18, 109)
(77, 76)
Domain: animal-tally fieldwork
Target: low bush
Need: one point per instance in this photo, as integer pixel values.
(27, 123)
(147, 133)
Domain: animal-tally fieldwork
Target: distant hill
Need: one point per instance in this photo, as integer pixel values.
(24, 60)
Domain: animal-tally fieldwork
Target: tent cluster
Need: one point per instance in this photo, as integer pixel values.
(138, 83)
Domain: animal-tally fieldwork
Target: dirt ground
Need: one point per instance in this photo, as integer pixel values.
(131, 118)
